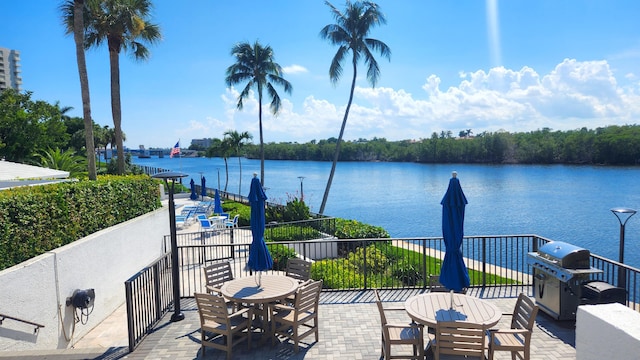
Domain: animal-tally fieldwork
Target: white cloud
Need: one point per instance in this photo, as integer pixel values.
(294, 69)
(574, 94)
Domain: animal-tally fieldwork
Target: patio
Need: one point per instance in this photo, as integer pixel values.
(349, 329)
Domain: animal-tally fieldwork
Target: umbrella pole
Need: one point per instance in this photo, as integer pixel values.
(451, 299)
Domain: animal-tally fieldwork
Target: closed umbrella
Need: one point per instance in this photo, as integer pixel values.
(453, 274)
(203, 187)
(217, 204)
(259, 256)
(193, 195)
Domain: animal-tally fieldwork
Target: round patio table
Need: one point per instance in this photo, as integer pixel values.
(246, 289)
(428, 309)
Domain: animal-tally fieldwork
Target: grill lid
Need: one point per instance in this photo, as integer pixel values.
(565, 255)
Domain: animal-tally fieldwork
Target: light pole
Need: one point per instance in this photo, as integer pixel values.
(177, 314)
(623, 215)
(301, 190)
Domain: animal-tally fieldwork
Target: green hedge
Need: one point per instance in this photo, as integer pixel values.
(38, 219)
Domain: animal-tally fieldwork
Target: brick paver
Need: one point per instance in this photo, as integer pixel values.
(349, 329)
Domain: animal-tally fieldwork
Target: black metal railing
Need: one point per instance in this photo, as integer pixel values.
(148, 297)
(320, 228)
(383, 263)
(36, 326)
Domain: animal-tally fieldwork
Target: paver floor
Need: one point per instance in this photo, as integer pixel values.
(349, 329)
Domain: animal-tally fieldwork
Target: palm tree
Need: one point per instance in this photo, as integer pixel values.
(237, 140)
(63, 160)
(350, 35)
(223, 149)
(124, 25)
(256, 65)
(72, 14)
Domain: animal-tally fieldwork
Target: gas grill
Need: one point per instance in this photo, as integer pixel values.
(559, 271)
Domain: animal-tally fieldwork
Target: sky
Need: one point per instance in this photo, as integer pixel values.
(487, 66)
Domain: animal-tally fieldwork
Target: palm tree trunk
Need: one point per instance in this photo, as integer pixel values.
(78, 36)
(116, 106)
(339, 143)
(240, 165)
(261, 138)
(226, 171)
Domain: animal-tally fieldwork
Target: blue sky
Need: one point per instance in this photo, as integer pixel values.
(455, 65)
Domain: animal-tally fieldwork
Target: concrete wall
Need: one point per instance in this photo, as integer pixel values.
(36, 290)
(607, 331)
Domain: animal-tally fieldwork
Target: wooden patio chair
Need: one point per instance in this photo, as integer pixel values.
(300, 320)
(216, 275)
(298, 269)
(411, 334)
(517, 339)
(217, 324)
(459, 340)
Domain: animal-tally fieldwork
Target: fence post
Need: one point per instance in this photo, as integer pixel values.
(233, 248)
(484, 261)
(364, 259)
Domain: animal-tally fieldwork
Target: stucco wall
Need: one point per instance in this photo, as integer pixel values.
(37, 289)
(607, 331)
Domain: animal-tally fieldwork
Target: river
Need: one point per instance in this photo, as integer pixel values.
(559, 202)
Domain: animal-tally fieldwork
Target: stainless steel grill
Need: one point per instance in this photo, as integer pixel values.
(559, 270)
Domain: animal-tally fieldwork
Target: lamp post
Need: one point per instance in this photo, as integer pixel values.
(623, 215)
(301, 190)
(177, 314)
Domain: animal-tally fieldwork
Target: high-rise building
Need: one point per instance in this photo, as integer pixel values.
(10, 70)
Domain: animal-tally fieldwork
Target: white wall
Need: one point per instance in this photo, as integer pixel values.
(607, 331)
(36, 290)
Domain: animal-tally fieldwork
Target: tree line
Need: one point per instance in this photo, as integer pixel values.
(610, 145)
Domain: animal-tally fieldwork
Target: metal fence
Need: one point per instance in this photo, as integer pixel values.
(369, 263)
(149, 296)
(344, 265)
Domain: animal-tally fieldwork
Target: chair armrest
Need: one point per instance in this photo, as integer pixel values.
(492, 332)
(394, 308)
(213, 289)
(411, 325)
(242, 312)
(277, 307)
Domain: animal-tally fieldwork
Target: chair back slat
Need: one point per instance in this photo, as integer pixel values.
(524, 313)
(218, 273)
(460, 338)
(298, 269)
(308, 297)
(212, 308)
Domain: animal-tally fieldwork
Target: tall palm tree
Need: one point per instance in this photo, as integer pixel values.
(350, 34)
(72, 15)
(237, 141)
(124, 25)
(223, 149)
(256, 65)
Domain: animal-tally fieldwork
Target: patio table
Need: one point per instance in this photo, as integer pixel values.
(429, 308)
(272, 288)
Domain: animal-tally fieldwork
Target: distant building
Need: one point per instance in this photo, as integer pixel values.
(203, 143)
(10, 70)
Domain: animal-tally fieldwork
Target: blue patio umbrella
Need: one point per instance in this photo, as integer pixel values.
(217, 204)
(259, 256)
(193, 195)
(453, 274)
(203, 187)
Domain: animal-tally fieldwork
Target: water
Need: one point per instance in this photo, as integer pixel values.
(559, 202)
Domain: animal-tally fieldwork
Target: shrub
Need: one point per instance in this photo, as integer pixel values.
(38, 219)
(352, 229)
(280, 254)
(374, 262)
(407, 272)
(289, 233)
